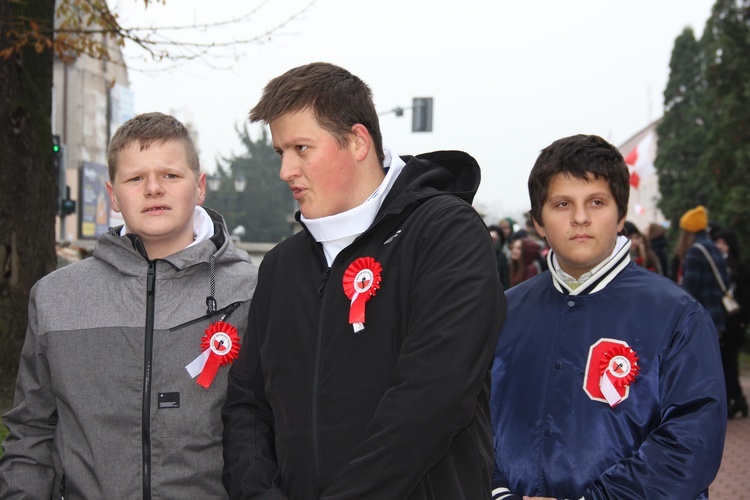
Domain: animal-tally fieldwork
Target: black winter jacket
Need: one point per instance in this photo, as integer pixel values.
(400, 409)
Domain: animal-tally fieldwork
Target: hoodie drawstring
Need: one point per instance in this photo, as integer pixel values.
(210, 300)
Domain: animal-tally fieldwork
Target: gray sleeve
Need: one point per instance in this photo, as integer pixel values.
(26, 467)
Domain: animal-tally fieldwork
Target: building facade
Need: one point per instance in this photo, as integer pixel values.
(90, 100)
(639, 152)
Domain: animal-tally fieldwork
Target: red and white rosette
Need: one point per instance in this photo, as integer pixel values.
(361, 281)
(618, 368)
(220, 346)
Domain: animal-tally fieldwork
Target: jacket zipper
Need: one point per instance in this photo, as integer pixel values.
(316, 381)
(319, 348)
(147, 360)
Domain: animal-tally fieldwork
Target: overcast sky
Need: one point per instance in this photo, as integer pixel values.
(507, 78)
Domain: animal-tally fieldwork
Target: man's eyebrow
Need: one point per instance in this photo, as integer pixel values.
(597, 194)
(293, 141)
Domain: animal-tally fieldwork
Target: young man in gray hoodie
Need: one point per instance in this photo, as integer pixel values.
(123, 371)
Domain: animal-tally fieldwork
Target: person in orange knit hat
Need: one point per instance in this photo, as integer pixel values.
(695, 272)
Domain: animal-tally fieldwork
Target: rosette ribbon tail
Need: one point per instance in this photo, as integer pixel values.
(357, 311)
(611, 393)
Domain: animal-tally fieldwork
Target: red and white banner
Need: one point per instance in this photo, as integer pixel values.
(640, 160)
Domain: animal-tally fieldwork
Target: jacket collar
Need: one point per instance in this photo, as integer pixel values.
(600, 276)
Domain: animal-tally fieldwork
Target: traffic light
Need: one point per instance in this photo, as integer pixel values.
(56, 151)
(67, 206)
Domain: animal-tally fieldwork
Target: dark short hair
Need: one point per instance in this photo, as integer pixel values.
(147, 128)
(730, 238)
(499, 231)
(629, 228)
(338, 100)
(579, 156)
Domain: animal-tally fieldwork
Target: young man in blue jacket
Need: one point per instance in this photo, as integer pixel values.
(607, 380)
(365, 370)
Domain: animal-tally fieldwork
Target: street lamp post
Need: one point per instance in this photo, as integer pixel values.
(213, 182)
(240, 183)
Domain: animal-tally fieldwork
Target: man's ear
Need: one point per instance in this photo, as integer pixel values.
(112, 199)
(621, 225)
(539, 228)
(361, 141)
(201, 189)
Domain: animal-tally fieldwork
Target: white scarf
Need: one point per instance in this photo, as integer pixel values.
(336, 232)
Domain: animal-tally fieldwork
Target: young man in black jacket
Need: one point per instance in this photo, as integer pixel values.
(365, 373)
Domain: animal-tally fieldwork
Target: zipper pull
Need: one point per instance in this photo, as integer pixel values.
(229, 310)
(211, 303)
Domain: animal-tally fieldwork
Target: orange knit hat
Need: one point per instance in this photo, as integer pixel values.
(695, 219)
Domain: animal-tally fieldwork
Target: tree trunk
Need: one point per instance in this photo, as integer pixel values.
(28, 192)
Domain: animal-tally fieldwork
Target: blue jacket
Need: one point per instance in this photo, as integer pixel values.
(552, 439)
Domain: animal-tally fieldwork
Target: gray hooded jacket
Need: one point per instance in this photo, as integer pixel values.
(104, 407)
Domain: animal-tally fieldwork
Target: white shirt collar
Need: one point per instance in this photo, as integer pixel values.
(336, 232)
(203, 226)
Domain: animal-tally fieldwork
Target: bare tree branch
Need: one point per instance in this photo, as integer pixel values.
(86, 26)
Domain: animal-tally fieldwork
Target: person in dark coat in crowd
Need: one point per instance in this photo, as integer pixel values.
(498, 238)
(734, 334)
(657, 237)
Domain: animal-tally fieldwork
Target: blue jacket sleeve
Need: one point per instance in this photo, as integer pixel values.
(500, 490)
(682, 453)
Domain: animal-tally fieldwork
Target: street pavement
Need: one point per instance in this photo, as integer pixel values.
(733, 480)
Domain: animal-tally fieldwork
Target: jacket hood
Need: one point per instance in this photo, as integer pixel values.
(432, 174)
(119, 250)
